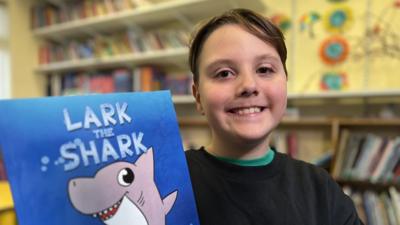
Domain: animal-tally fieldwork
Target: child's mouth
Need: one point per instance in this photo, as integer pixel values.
(246, 110)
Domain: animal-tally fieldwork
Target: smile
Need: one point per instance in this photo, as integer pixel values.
(109, 212)
(247, 110)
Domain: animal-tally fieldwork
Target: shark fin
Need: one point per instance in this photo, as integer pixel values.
(169, 201)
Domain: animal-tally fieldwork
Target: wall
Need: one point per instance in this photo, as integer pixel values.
(375, 71)
(23, 48)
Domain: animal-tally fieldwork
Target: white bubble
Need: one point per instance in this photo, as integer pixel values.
(78, 141)
(44, 168)
(45, 160)
(56, 163)
(61, 160)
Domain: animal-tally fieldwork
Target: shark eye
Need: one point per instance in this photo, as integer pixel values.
(125, 177)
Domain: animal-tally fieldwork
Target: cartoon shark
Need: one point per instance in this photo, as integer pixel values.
(122, 193)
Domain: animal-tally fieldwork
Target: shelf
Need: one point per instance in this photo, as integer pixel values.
(313, 121)
(192, 122)
(324, 95)
(344, 94)
(161, 57)
(285, 121)
(188, 10)
(370, 122)
(183, 99)
(306, 122)
(366, 185)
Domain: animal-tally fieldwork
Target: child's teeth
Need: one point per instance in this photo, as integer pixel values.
(249, 110)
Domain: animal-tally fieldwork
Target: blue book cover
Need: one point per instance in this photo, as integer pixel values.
(99, 159)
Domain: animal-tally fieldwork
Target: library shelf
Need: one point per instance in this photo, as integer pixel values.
(156, 57)
(149, 14)
(367, 185)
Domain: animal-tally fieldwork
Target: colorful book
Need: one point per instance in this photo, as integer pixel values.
(340, 153)
(97, 159)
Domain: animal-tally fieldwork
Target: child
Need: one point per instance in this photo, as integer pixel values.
(238, 62)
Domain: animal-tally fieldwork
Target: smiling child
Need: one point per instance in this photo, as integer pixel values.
(238, 62)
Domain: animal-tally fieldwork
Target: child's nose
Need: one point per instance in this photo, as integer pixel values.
(247, 85)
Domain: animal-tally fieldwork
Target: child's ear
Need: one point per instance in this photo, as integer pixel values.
(196, 96)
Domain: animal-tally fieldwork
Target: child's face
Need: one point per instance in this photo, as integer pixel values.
(242, 86)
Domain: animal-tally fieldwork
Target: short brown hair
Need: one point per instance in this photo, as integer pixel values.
(254, 23)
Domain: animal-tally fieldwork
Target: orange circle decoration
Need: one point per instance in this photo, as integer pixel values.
(334, 50)
(282, 21)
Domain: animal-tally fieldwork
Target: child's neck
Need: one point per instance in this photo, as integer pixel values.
(237, 150)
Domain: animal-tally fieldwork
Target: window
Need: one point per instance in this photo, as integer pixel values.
(5, 81)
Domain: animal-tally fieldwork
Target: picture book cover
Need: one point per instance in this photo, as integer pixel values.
(112, 159)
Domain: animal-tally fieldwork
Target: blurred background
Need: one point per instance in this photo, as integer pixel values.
(343, 67)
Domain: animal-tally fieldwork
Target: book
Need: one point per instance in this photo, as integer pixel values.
(96, 159)
(122, 80)
(340, 153)
(390, 214)
(371, 145)
(395, 198)
(387, 152)
(355, 144)
(391, 163)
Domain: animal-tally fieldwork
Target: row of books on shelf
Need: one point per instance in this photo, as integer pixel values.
(146, 78)
(109, 45)
(286, 142)
(47, 14)
(367, 157)
(377, 208)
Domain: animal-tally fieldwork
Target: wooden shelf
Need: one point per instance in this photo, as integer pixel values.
(367, 185)
(192, 122)
(370, 122)
(316, 121)
(306, 121)
(162, 57)
(296, 122)
(183, 10)
(328, 95)
(344, 94)
(183, 99)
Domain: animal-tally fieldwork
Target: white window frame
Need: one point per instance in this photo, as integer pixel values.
(5, 69)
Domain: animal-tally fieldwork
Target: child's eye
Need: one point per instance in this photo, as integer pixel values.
(265, 70)
(224, 74)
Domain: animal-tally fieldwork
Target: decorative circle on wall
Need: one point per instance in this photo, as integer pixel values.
(307, 22)
(282, 21)
(334, 81)
(338, 19)
(334, 50)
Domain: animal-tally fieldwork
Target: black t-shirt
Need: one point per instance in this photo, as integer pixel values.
(284, 192)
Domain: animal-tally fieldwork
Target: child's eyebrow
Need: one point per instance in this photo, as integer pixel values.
(268, 57)
(210, 67)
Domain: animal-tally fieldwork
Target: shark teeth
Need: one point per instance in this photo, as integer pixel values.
(108, 213)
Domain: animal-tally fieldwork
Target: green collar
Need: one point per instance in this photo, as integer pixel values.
(262, 161)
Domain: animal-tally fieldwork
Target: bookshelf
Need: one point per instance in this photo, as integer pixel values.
(127, 38)
(160, 57)
(150, 14)
(325, 134)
